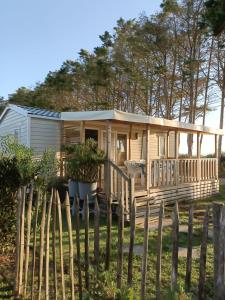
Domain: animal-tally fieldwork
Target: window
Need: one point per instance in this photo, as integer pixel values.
(91, 134)
(162, 146)
(121, 149)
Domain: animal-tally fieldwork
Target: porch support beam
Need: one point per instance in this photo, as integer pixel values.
(216, 154)
(198, 157)
(148, 161)
(130, 137)
(177, 156)
(107, 178)
(82, 132)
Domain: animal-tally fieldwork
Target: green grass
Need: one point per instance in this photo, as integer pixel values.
(104, 287)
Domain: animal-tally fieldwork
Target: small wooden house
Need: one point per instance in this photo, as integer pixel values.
(143, 158)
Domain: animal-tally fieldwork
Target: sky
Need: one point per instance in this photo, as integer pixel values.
(37, 36)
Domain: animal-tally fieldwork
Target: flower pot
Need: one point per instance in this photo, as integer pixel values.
(73, 188)
(86, 188)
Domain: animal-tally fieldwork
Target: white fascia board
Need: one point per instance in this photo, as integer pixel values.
(44, 117)
(88, 115)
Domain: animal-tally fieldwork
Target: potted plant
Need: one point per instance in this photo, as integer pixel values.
(85, 161)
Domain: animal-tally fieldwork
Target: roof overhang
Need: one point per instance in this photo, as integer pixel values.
(137, 118)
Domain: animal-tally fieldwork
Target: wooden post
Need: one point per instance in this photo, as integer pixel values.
(218, 240)
(120, 242)
(216, 155)
(130, 137)
(17, 261)
(177, 157)
(29, 213)
(108, 157)
(86, 246)
(189, 249)
(159, 251)
(96, 233)
(41, 256)
(47, 247)
(198, 157)
(202, 266)
(77, 228)
(148, 160)
(175, 234)
(62, 170)
(131, 244)
(34, 243)
(70, 233)
(145, 253)
(61, 246)
(82, 132)
(55, 279)
(22, 217)
(109, 233)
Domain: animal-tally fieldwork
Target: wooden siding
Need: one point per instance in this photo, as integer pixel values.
(44, 134)
(14, 121)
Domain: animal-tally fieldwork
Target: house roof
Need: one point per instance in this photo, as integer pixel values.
(136, 118)
(109, 115)
(32, 112)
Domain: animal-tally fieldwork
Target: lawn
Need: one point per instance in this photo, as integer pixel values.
(104, 287)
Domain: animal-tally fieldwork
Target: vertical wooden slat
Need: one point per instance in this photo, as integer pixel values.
(41, 256)
(29, 213)
(175, 233)
(86, 241)
(70, 234)
(22, 218)
(203, 251)
(159, 251)
(34, 243)
(148, 162)
(47, 247)
(131, 244)
(55, 279)
(96, 233)
(17, 259)
(108, 237)
(61, 246)
(77, 228)
(189, 249)
(120, 242)
(145, 254)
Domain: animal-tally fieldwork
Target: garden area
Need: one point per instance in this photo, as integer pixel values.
(63, 245)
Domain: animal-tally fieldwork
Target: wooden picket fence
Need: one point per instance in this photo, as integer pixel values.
(40, 231)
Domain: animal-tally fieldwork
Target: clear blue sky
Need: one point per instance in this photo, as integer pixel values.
(37, 36)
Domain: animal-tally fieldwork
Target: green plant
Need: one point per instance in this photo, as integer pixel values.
(83, 161)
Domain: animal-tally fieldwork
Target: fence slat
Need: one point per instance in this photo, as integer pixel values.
(120, 242)
(203, 251)
(29, 213)
(34, 243)
(55, 279)
(41, 256)
(96, 233)
(159, 250)
(17, 259)
(47, 247)
(131, 244)
(77, 228)
(145, 253)
(108, 237)
(175, 233)
(86, 241)
(61, 246)
(70, 234)
(189, 249)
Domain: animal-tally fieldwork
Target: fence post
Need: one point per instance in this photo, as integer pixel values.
(77, 228)
(86, 224)
(29, 212)
(145, 253)
(54, 245)
(202, 266)
(218, 240)
(47, 247)
(17, 260)
(108, 238)
(159, 250)
(34, 243)
(189, 249)
(96, 233)
(120, 242)
(61, 246)
(175, 233)
(41, 256)
(131, 245)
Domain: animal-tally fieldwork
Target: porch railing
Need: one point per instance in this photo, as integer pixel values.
(168, 172)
